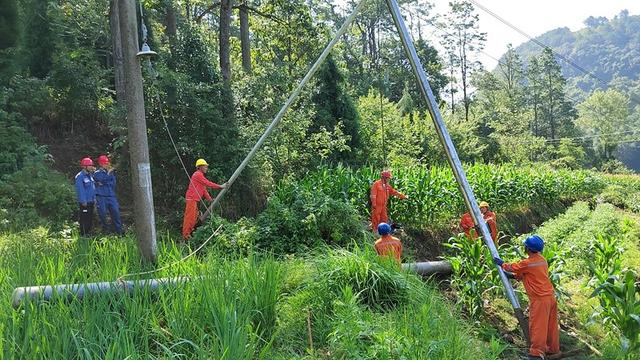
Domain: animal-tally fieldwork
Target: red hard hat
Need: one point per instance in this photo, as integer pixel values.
(86, 162)
(103, 159)
(386, 174)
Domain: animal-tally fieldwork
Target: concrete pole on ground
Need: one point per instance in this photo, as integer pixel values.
(137, 133)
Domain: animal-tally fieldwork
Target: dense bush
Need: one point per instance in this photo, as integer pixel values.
(35, 195)
(305, 219)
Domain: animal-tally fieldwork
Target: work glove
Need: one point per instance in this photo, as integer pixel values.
(498, 261)
(223, 186)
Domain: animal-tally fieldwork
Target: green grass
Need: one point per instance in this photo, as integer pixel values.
(237, 308)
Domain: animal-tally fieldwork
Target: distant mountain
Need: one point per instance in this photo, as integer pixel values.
(610, 49)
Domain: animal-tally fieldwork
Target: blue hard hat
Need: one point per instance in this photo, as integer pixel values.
(534, 243)
(384, 229)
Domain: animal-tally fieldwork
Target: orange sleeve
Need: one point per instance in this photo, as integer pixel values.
(395, 192)
(517, 268)
(199, 177)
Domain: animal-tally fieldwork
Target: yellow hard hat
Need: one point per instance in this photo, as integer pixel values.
(201, 162)
(484, 204)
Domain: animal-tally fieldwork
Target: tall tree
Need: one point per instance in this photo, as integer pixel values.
(245, 39)
(462, 41)
(117, 51)
(8, 23)
(37, 42)
(534, 98)
(225, 44)
(605, 117)
(334, 107)
(558, 113)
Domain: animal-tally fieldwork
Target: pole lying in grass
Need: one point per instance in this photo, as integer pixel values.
(429, 267)
(452, 155)
(80, 291)
(285, 107)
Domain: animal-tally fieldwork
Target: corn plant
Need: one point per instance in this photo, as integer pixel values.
(434, 196)
(472, 272)
(619, 298)
(606, 258)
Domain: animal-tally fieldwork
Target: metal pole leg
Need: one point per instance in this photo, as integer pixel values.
(452, 155)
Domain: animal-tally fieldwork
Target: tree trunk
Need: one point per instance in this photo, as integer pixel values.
(225, 56)
(116, 41)
(245, 41)
(171, 22)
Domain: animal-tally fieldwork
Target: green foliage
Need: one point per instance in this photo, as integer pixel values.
(606, 259)
(35, 195)
(298, 218)
(605, 116)
(434, 195)
(377, 283)
(334, 106)
(595, 47)
(472, 272)
(619, 297)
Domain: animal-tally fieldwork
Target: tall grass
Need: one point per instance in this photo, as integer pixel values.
(243, 308)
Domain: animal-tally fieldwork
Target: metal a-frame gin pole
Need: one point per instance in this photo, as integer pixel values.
(452, 156)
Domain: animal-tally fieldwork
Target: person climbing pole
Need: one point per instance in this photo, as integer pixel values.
(106, 200)
(544, 332)
(197, 189)
(86, 195)
(388, 245)
(380, 192)
(468, 226)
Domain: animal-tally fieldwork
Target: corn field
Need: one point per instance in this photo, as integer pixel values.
(434, 197)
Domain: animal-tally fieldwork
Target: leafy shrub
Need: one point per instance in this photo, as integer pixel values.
(615, 167)
(233, 238)
(36, 195)
(304, 219)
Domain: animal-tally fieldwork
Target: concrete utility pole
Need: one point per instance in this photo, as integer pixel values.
(137, 133)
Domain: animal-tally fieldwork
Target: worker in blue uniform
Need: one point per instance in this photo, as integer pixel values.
(107, 201)
(86, 194)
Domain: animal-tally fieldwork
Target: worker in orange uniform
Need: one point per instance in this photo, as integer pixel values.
(544, 332)
(197, 189)
(388, 245)
(380, 192)
(466, 222)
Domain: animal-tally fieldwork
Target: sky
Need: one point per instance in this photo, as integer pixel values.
(535, 17)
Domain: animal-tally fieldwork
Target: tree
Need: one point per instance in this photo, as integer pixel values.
(605, 117)
(334, 106)
(557, 113)
(8, 23)
(38, 38)
(462, 40)
(225, 45)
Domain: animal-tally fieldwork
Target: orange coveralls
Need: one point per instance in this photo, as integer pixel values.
(196, 190)
(380, 193)
(544, 332)
(388, 245)
(466, 223)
